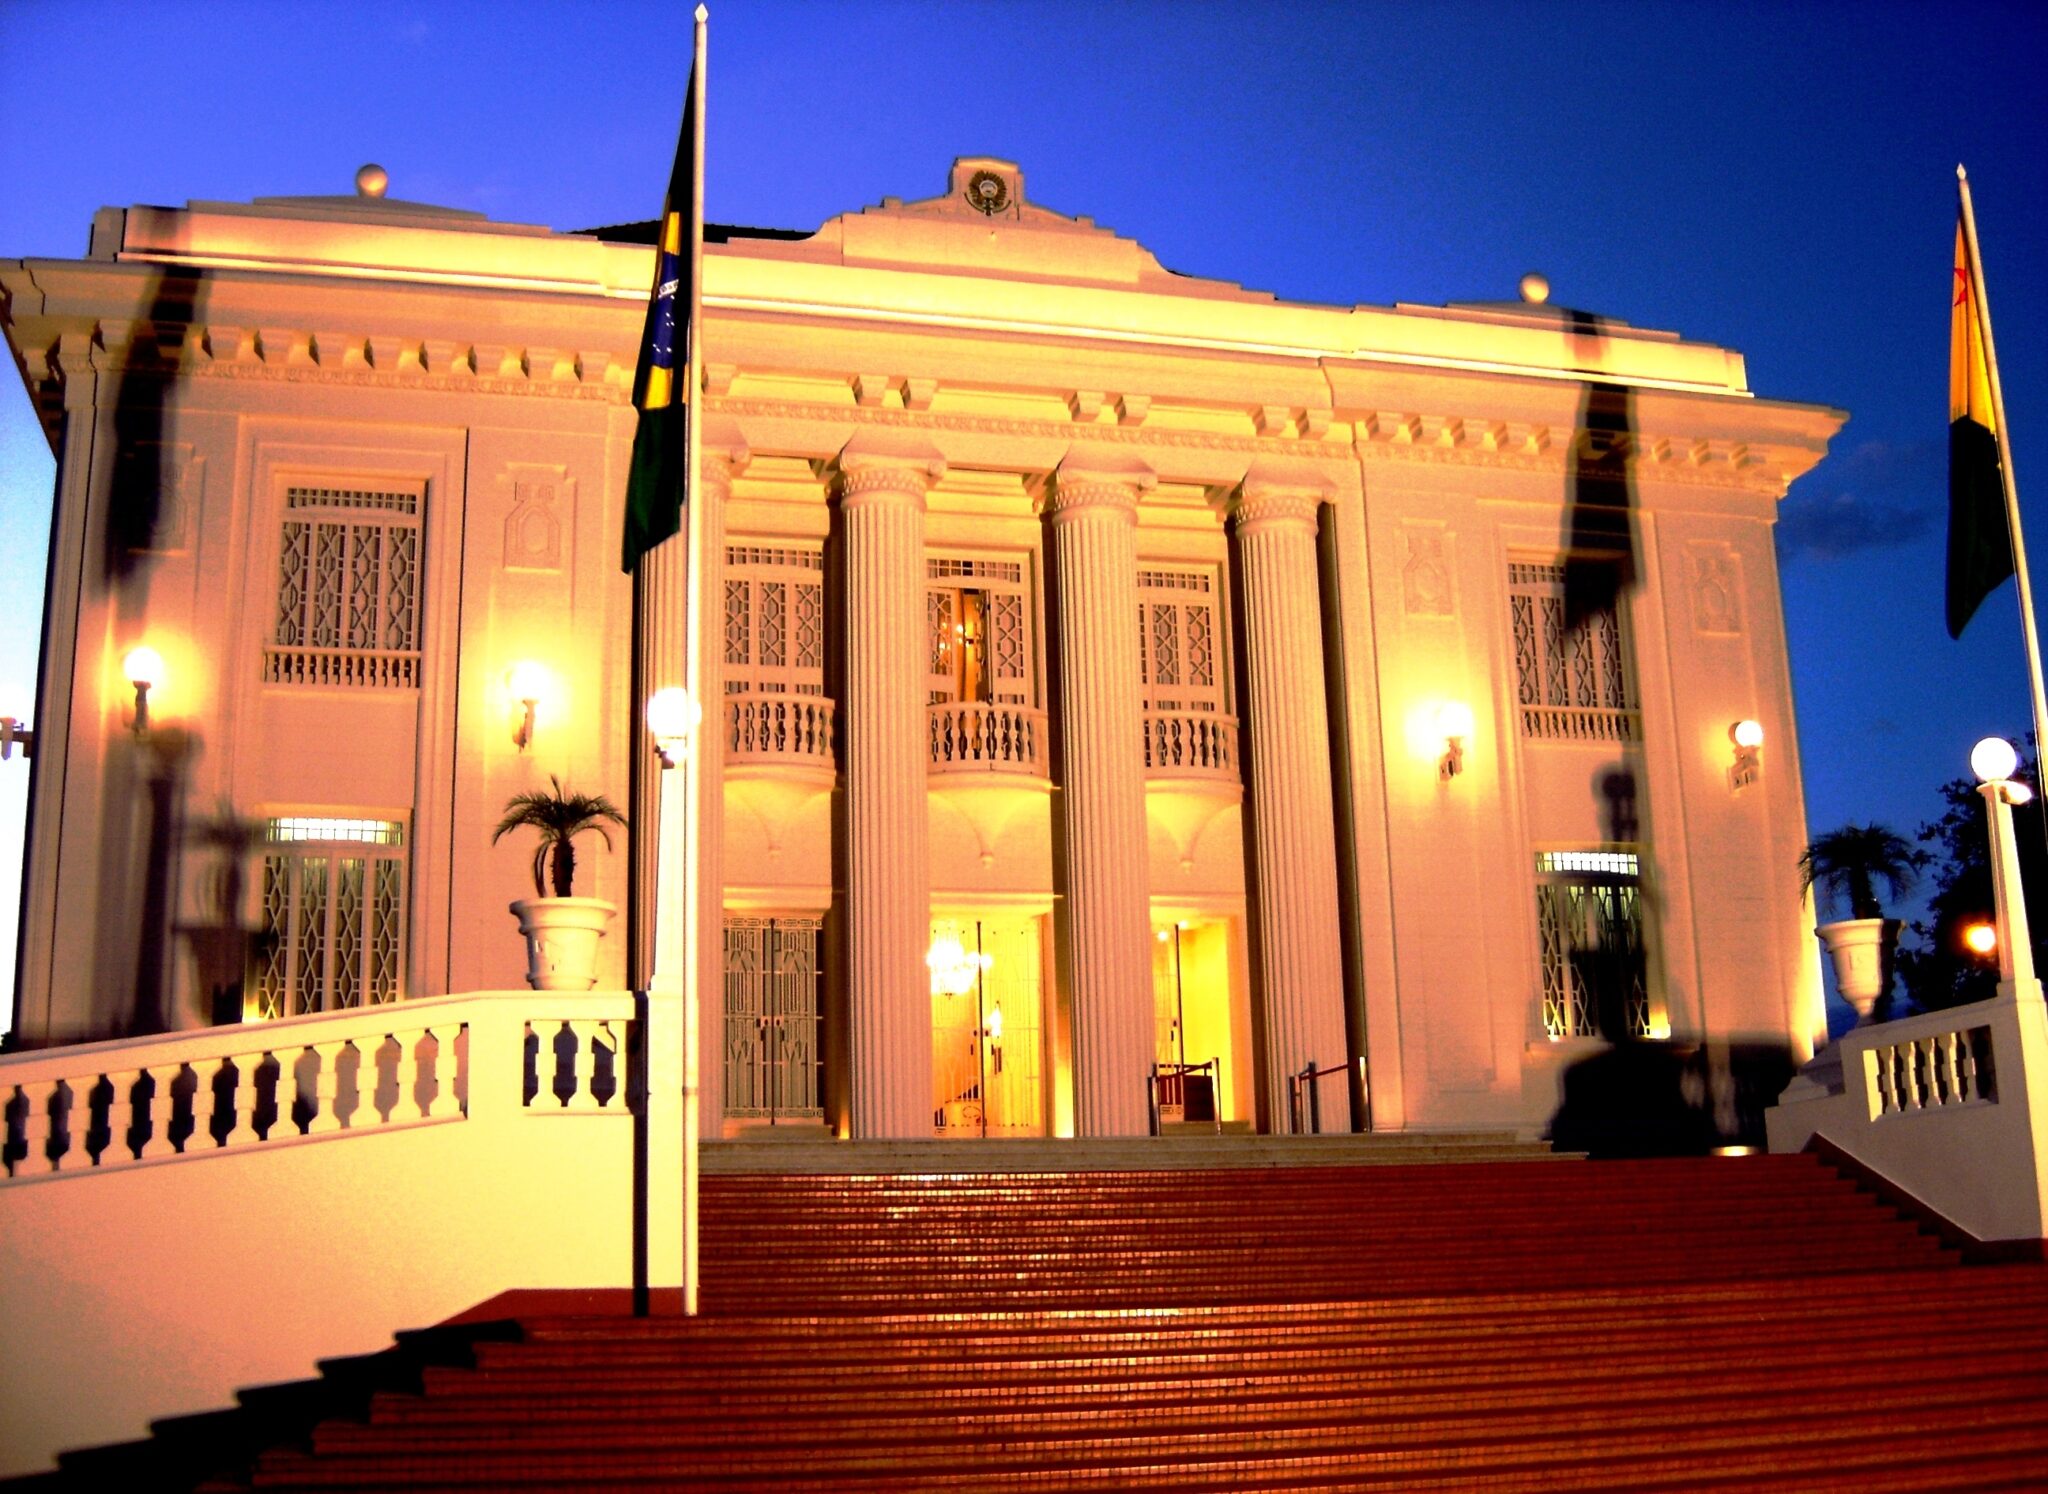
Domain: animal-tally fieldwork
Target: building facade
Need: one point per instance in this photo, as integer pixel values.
(1115, 671)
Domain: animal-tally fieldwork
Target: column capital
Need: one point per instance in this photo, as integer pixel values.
(1096, 478)
(876, 462)
(1274, 495)
(723, 453)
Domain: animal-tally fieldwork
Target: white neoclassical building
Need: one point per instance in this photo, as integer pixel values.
(1255, 687)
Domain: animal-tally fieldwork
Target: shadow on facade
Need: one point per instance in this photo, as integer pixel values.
(1638, 1099)
(1635, 1097)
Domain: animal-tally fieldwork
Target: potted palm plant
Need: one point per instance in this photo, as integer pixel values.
(562, 931)
(1846, 865)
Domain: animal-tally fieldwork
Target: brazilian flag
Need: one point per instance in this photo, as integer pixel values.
(661, 385)
(1979, 540)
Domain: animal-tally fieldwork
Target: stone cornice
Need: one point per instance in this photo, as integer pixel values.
(132, 348)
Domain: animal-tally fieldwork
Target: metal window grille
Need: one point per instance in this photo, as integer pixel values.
(1177, 641)
(1590, 921)
(348, 608)
(774, 620)
(1572, 683)
(774, 1059)
(331, 926)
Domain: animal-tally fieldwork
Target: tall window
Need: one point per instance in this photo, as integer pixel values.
(331, 932)
(1572, 681)
(774, 620)
(348, 608)
(1589, 912)
(978, 632)
(1178, 642)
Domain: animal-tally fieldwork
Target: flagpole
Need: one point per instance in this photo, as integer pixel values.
(2012, 497)
(695, 785)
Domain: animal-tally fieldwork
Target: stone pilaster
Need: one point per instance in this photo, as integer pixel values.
(1105, 952)
(881, 487)
(1297, 958)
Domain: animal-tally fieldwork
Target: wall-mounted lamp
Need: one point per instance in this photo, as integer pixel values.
(673, 716)
(12, 735)
(1748, 737)
(529, 684)
(1454, 723)
(1980, 938)
(144, 669)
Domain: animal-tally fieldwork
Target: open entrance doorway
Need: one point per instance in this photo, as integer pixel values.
(1192, 1030)
(988, 1027)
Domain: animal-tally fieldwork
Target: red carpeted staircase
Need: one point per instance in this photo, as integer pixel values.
(1691, 1324)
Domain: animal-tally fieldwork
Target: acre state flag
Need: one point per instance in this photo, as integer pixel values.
(1979, 540)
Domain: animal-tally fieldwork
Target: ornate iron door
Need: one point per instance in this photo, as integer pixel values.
(773, 1058)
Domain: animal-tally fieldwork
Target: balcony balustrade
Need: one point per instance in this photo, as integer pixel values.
(1191, 744)
(788, 730)
(999, 737)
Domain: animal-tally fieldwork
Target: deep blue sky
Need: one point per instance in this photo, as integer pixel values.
(1775, 177)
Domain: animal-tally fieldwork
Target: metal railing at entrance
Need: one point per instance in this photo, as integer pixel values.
(1186, 1092)
(1304, 1092)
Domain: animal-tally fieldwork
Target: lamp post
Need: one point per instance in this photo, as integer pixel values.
(673, 716)
(1993, 761)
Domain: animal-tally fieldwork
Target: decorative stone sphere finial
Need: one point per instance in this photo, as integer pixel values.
(371, 180)
(1535, 288)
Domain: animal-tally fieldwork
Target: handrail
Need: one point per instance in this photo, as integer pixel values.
(1174, 1075)
(66, 1111)
(1306, 1082)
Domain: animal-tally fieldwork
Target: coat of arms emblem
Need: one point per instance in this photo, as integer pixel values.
(988, 193)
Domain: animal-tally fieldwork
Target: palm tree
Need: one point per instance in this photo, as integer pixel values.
(560, 817)
(1850, 862)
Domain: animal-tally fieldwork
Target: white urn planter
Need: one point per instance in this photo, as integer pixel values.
(1861, 949)
(562, 935)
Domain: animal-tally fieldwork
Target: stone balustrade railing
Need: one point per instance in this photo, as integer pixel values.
(1927, 1072)
(1946, 1105)
(779, 728)
(353, 668)
(325, 1177)
(1547, 723)
(1191, 744)
(100, 1106)
(994, 737)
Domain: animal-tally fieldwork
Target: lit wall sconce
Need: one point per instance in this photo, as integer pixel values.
(529, 684)
(12, 735)
(673, 716)
(1748, 737)
(1454, 721)
(144, 669)
(1980, 939)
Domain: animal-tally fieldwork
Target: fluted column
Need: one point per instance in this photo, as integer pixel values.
(881, 488)
(1105, 952)
(1292, 849)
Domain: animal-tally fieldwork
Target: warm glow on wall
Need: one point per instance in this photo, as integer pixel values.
(535, 694)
